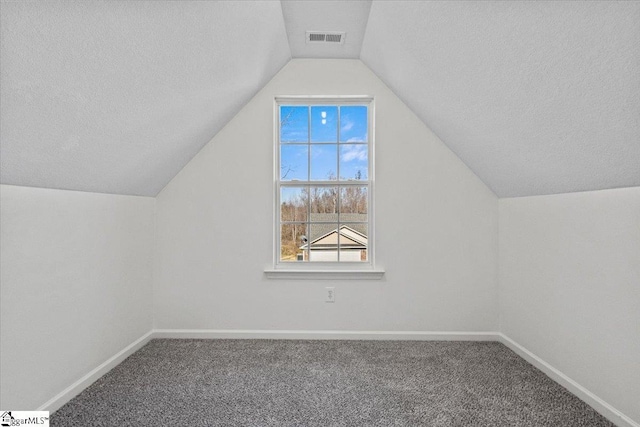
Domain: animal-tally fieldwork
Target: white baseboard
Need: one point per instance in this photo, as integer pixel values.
(76, 388)
(606, 410)
(324, 335)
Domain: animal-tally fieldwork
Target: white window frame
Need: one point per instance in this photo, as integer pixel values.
(328, 269)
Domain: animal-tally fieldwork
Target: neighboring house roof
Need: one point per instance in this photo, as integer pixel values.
(357, 222)
(349, 239)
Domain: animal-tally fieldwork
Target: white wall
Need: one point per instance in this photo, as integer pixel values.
(436, 227)
(76, 273)
(570, 287)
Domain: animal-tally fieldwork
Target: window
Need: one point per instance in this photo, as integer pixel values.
(324, 183)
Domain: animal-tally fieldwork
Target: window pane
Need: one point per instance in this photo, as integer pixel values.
(353, 124)
(323, 182)
(324, 203)
(293, 242)
(353, 242)
(294, 124)
(324, 161)
(294, 162)
(354, 162)
(294, 203)
(324, 124)
(353, 203)
(323, 242)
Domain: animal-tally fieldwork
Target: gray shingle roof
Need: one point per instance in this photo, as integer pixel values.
(318, 230)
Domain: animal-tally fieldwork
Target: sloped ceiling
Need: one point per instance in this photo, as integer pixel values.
(535, 97)
(116, 97)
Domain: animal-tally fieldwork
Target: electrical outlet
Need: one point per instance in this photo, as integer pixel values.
(330, 295)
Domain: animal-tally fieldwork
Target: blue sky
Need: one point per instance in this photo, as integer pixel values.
(295, 133)
(353, 124)
(295, 124)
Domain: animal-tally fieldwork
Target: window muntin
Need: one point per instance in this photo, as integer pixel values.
(324, 185)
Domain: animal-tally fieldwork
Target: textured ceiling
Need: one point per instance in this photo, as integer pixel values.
(535, 97)
(325, 15)
(116, 97)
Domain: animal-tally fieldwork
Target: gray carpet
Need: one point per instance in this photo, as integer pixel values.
(325, 383)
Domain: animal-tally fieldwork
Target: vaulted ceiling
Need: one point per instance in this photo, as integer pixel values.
(116, 97)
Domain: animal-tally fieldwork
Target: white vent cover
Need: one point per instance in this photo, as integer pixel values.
(325, 37)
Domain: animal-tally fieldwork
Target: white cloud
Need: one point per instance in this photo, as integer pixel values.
(355, 152)
(356, 139)
(347, 125)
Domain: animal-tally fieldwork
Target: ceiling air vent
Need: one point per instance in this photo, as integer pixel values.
(325, 37)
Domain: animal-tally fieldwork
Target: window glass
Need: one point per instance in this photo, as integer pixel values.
(294, 124)
(354, 162)
(353, 124)
(324, 162)
(318, 221)
(294, 162)
(324, 124)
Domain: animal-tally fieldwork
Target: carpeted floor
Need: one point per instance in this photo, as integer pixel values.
(325, 383)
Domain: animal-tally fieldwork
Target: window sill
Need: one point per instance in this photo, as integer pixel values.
(324, 274)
